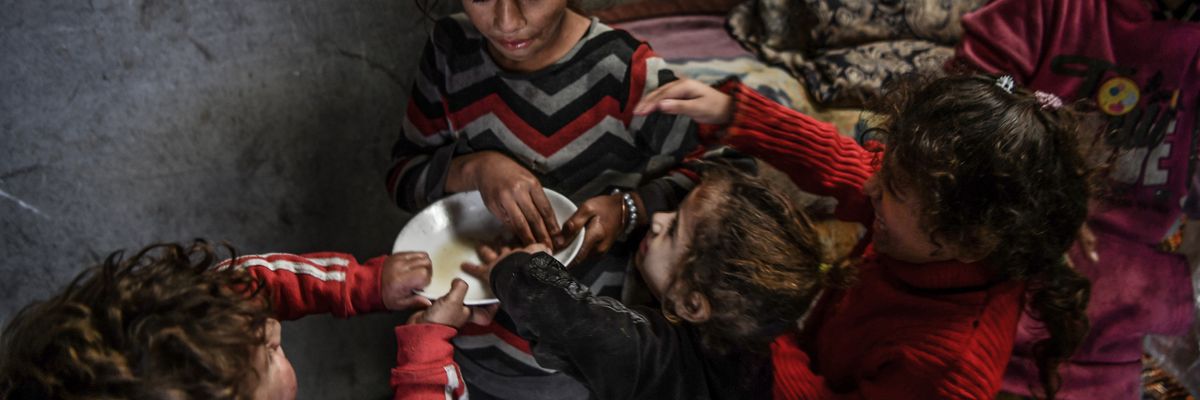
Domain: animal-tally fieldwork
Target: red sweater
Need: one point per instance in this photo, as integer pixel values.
(903, 331)
(336, 283)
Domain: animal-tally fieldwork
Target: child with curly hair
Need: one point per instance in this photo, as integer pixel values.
(173, 323)
(972, 196)
(733, 268)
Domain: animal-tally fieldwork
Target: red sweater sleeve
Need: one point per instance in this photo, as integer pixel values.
(425, 368)
(817, 158)
(316, 283)
(898, 373)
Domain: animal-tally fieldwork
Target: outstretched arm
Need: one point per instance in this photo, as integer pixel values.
(336, 283)
(620, 353)
(817, 158)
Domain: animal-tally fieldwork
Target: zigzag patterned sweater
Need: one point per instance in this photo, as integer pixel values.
(570, 124)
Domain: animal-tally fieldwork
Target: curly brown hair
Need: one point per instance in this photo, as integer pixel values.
(163, 324)
(1003, 178)
(755, 258)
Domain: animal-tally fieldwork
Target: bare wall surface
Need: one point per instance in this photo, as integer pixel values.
(266, 123)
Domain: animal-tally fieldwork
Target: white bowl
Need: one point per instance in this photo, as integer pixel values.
(449, 229)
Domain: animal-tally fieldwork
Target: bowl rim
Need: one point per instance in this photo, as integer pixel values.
(574, 247)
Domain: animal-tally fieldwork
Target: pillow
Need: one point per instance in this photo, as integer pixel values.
(813, 24)
(846, 49)
(850, 76)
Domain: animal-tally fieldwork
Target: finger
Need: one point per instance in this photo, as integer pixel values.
(416, 301)
(425, 267)
(517, 223)
(416, 317)
(534, 217)
(577, 221)
(649, 103)
(487, 254)
(545, 210)
(536, 247)
(458, 291)
(484, 315)
(591, 238)
(478, 271)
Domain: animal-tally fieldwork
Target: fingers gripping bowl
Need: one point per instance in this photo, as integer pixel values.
(450, 228)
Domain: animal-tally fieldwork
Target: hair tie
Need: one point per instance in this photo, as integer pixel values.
(824, 268)
(1048, 100)
(1006, 82)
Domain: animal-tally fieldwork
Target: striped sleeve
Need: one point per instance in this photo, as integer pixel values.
(669, 140)
(317, 283)
(421, 156)
(817, 158)
(425, 368)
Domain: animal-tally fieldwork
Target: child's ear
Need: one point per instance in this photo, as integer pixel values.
(694, 308)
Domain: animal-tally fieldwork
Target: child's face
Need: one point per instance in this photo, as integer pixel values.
(277, 379)
(897, 230)
(519, 32)
(660, 256)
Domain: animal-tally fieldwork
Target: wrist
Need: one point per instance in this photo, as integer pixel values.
(631, 211)
(465, 171)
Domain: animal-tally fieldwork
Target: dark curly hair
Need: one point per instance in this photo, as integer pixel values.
(163, 324)
(756, 259)
(1002, 178)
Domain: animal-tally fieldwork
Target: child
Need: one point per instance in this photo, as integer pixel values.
(733, 268)
(513, 96)
(979, 192)
(170, 323)
(1149, 95)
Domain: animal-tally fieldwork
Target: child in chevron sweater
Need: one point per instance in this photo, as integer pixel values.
(515, 96)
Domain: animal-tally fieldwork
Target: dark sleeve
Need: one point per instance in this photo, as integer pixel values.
(618, 352)
(421, 155)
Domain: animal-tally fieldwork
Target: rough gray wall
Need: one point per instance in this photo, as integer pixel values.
(266, 123)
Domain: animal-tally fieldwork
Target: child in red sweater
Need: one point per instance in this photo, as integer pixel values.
(980, 191)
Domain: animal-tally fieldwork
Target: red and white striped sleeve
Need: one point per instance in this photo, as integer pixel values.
(425, 368)
(316, 283)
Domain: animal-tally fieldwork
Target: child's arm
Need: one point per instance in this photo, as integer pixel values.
(817, 158)
(336, 283)
(425, 368)
(899, 375)
(617, 352)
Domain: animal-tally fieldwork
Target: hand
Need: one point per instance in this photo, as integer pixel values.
(604, 220)
(450, 311)
(513, 195)
(490, 255)
(402, 274)
(692, 98)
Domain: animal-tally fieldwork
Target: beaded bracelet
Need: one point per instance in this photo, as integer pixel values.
(629, 210)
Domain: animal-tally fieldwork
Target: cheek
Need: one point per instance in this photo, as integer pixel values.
(285, 378)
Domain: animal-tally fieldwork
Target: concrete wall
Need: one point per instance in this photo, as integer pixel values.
(266, 123)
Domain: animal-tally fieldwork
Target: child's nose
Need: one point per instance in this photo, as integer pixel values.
(509, 18)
